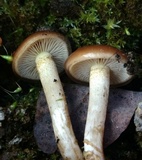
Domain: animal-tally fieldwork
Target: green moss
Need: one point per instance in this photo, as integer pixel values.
(19, 19)
(86, 22)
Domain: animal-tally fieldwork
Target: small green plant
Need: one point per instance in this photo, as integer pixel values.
(17, 90)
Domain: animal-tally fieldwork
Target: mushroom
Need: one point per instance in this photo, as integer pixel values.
(101, 66)
(42, 56)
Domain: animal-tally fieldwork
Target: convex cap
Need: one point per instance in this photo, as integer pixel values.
(43, 41)
(79, 63)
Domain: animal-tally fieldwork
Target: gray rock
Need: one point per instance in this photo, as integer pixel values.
(121, 107)
(138, 117)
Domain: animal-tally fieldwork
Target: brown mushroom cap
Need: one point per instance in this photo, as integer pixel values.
(79, 63)
(0, 41)
(24, 57)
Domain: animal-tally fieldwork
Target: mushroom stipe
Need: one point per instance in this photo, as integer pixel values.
(40, 57)
(100, 66)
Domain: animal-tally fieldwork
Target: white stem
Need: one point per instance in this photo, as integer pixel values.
(95, 123)
(57, 104)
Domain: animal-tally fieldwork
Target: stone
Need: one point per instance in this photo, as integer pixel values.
(138, 117)
(121, 107)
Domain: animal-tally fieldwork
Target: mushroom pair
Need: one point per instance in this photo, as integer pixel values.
(101, 66)
(42, 56)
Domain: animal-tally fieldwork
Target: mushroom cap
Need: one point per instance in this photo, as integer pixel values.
(0, 41)
(24, 57)
(79, 63)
